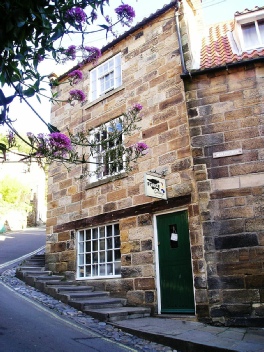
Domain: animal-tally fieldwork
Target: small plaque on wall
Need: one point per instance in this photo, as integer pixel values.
(227, 153)
(155, 187)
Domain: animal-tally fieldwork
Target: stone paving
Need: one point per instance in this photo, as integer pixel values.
(104, 329)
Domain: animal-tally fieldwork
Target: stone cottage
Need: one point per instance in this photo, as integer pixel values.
(114, 234)
(224, 96)
(197, 248)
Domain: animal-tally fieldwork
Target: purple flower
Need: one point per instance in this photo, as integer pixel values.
(76, 16)
(93, 15)
(125, 14)
(77, 94)
(92, 54)
(11, 138)
(75, 76)
(40, 58)
(59, 142)
(137, 107)
(141, 147)
(70, 53)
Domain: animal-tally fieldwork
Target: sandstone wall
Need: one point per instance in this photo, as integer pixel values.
(226, 113)
(151, 77)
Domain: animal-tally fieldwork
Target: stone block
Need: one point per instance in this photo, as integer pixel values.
(202, 141)
(226, 282)
(244, 268)
(202, 310)
(144, 219)
(126, 260)
(241, 296)
(68, 256)
(144, 284)
(236, 241)
(128, 272)
(64, 236)
(255, 281)
(129, 247)
(142, 258)
(149, 297)
(135, 298)
(128, 223)
(123, 285)
(146, 245)
(181, 165)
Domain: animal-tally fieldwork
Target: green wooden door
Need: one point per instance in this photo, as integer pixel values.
(176, 282)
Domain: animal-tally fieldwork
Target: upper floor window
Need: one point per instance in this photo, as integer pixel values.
(253, 34)
(107, 155)
(105, 77)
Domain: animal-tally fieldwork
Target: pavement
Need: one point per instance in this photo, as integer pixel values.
(161, 333)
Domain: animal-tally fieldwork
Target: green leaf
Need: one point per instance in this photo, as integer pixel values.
(2, 147)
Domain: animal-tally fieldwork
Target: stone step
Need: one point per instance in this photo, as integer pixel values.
(97, 304)
(104, 302)
(77, 296)
(30, 268)
(36, 273)
(118, 313)
(76, 288)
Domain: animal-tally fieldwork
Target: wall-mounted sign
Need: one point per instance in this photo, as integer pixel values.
(227, 153)
(155, 186)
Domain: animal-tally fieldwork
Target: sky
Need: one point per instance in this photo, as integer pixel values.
(214, 11)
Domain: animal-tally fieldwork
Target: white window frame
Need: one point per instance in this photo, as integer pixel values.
(246, 19)
(98, 252)
(105, 77)
(105, 152)
(259, 39)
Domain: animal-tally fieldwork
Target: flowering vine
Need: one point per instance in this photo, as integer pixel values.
(34, 41)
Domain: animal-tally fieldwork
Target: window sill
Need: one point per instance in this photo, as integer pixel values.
(105, 180)
(98, 277)
(104, 96)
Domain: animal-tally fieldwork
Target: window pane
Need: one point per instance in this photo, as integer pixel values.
(102, 257)
(88, 234)
(117, 242)
(109, 231)
(95, 245)
(261, 30)
(102, 232)
(81, 235)
(81, 271)
(88, 246)
(117, 268)
(81, 259)
(95, 233)
(250, 35)
(117, 254)
(95, 258)
(102, 244)
(88, 258)
(109, 256)
(81, 247)
(88, 270)
(109, 269)
(95, 270)
(109, 243)
(102, 270)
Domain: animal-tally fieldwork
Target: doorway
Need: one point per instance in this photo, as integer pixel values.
(175, 269)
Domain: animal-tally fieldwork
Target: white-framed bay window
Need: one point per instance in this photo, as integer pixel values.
(98, 252)
(105, 77)
(106, 157)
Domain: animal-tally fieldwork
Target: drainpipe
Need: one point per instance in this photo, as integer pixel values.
(184, 69)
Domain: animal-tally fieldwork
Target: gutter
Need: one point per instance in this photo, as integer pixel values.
(183, 65)
(221, 68)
